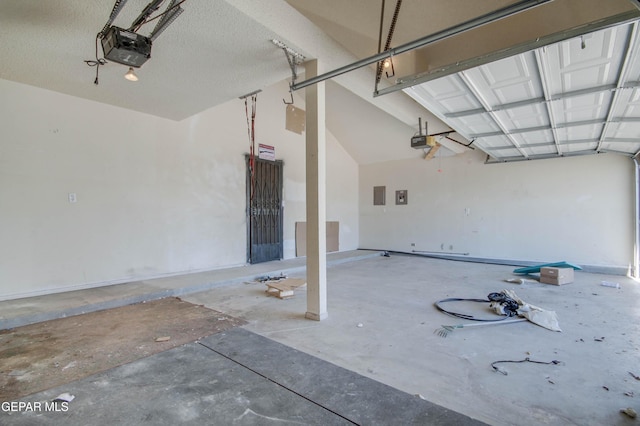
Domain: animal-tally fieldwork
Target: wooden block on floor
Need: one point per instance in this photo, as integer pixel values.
(284, 288)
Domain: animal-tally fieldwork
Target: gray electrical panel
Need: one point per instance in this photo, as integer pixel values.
(379, 195)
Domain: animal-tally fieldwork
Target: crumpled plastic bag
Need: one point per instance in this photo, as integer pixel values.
(535, 314)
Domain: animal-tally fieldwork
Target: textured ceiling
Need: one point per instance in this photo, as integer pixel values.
(212, 53)
(216, 51)
(219, 50)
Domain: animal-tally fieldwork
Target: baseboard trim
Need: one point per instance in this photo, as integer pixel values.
(595, 269)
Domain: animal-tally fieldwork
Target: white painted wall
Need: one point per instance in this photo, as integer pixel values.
(154, 197)
(577, 209)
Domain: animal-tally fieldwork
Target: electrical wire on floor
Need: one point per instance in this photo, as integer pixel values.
(499, 370)
(500, 303)
(509, 307)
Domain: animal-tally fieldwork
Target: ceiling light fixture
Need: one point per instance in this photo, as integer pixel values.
(387, 65)
(126, 46)
(130, 75)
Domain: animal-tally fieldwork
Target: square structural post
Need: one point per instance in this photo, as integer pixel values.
(316, 197)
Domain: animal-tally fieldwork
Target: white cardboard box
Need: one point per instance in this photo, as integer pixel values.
(557, 276)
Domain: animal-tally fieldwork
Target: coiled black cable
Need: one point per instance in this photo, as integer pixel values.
(464, 316)
(510, 306)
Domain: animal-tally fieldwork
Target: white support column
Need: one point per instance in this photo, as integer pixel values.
(316, 197)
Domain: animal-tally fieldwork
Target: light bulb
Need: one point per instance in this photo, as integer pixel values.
(130, 75)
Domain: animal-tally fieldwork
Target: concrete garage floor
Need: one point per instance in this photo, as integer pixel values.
(381, 326)
(233, 377)
(392, 298)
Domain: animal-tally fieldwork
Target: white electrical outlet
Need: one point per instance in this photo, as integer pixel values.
(72, 197)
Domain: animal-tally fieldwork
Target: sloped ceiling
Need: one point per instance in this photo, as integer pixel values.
(212, 53)
(217, 51)
(532, 97)
(355, 24)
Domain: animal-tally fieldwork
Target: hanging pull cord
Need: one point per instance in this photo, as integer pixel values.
(251, 131)
(97, 63)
